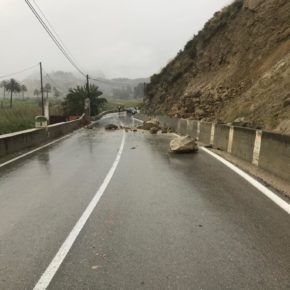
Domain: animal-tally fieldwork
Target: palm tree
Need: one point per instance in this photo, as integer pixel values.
(36, 92)
(13, 87)
(47, 89)
(74, 102)
(3, 85)
(56, 92)
(23, 90)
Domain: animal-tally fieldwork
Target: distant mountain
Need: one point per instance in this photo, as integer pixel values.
(63, 81)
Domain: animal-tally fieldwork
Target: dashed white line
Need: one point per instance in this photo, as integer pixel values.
(56, 262)
(266, 191)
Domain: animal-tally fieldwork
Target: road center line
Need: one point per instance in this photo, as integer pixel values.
(56, 262)
(266, 191)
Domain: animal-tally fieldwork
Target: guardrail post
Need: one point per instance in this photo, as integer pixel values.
(257, 148)
(231, 138)
(198, 130)
(212, 133)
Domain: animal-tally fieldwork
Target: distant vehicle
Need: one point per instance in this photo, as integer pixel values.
(131, 111)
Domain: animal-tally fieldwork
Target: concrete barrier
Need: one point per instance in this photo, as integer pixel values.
(11, 143)
(191, 129)
(243, 143)
(205, 133)
(275, 154)
(14, 142)
(182, 126)
(221, 137)
(169, 122)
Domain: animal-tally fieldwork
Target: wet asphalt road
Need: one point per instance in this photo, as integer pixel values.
(164, 222)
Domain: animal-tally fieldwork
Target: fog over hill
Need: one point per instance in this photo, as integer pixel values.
(63, 81)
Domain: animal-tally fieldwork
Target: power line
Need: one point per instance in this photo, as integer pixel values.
(52, 36)
(60, 45)
(57, 35)
(18, 72)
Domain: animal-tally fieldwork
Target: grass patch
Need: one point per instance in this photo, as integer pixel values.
(21, 116)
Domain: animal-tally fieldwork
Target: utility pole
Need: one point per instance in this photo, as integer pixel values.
(41, 89)
(88, 93)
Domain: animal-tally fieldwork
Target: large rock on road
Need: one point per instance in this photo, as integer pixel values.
(150, 124)
(183, 144)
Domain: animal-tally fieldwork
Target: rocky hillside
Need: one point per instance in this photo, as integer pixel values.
(237, 69)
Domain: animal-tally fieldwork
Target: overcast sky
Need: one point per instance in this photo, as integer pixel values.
(118, 38)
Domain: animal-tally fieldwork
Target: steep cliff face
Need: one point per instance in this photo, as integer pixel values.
(237, 67)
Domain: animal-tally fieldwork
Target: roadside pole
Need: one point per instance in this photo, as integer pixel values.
(88, 94)
(41, 89)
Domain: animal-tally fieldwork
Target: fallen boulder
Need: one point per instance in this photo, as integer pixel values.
(183, 144)
(149, 124)
(154, 130)
(111, 127)
(164, 130)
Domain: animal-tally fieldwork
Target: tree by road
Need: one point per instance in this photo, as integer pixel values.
(3, 85)
(75, 100)
(56, 92)
(13, 87)
(23, 89)
(36, 92)
(47, 89)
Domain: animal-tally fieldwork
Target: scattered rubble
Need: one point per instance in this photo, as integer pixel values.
(153, 123)
(164, 130)
(154, 130)
(111, 127)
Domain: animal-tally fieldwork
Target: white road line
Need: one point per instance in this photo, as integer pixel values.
(266, 191)
(56, 262)
(32, 151)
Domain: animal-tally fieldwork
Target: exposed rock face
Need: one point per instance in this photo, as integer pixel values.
(183, 144)
(253, 4)
(237, 66)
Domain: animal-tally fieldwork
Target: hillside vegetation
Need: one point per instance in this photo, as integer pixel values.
(236, 69)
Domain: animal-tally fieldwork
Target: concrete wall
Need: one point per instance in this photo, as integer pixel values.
(275, 154)
(191, 129)
(14, 142)
(205, 133)
(221, 137)
(243, 143)
(169, 122)
(11, 143)
(182, 126)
